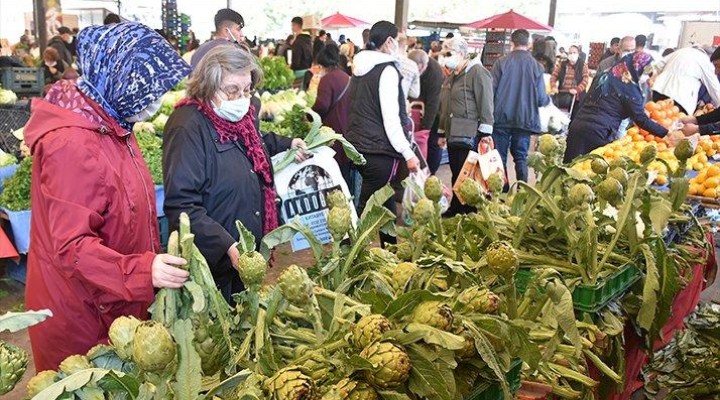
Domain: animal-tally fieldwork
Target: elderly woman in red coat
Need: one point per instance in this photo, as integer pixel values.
(94, 247)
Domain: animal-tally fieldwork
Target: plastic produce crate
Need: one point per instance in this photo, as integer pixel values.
(12, 118)
(23, 81)
(493, 391)
(592, 298)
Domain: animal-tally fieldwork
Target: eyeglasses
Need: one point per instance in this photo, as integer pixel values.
(447, 54)
(233, 92)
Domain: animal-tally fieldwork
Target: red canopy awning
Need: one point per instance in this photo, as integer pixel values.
(509, 20)
(338, 20)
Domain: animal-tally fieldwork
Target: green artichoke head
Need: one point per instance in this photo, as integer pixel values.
(40, 382)
(121, 333)
(252, 268)
(621, 175)
(351, 389)
(290, 384)
(403, 273)
(209, 344)
(433, 189)
(296, 286)
(502, 258)
(339, 220)
(599, 166)
(470, 192)
(610, 190)
(434, 313)
(581, 195)
(548, 145)
(423, 212)
(153, 347)
(648, 154)
(495, 182)
(391, 364)
(476, 299)
(74, 364)
(469, 350)
(337, 199)
(369, 329)
(683, 151)
(404, 251)
(13, 363)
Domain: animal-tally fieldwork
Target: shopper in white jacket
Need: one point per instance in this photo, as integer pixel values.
(681, 75)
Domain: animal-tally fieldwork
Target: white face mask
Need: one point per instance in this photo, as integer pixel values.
(231, 35)
(147, 113)
(452, 62)
(573, 57)
(233, 110)
(51, 63)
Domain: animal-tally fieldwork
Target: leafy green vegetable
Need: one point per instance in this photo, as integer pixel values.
(16, 192)
(151, 148)
(276, 74)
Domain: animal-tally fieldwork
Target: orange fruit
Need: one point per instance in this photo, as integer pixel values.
(700, 178)
(712, 171)
(702, 158)
(652, 106)
(698, 166)
(695, 189)
(662, 146)
(711, 152)
(661, 180)
(711, 183)
(633, 131)
(657, 115)
(675, 110)
(711, 193)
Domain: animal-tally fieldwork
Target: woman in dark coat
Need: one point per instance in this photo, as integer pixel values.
(217, 166)
(333, 101)
(613, 96)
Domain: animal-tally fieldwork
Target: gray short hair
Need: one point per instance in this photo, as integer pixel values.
(207, 77)
(456, 44)
(420, 57)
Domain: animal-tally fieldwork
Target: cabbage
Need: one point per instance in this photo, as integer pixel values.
(159, 122)
(7, 97)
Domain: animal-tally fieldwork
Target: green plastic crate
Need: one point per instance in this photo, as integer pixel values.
(23, 80)
(493, 391)
(590, 298)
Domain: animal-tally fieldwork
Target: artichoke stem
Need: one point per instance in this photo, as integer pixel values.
(512, 299)
(317, 318)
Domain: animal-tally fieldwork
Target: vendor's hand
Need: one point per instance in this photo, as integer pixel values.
(673, 138)
(234, 255)
(690, 129)
(413, 164)
(573, 91)
(689, 120)
(442, 142)
(165, 274)
(298, 144)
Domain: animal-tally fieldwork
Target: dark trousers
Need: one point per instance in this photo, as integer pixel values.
(434, 155)
(517, 142)
(456, 158)
(379, 171)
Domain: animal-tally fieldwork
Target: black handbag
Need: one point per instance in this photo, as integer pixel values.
(463, 131)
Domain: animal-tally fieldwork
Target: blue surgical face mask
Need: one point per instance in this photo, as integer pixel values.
(232, 110)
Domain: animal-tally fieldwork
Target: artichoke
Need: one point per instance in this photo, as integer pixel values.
(470, 192)
(252, 268)
(402, 274)
(404, 251)
(153, 346)
(433, 313)
(469, 350)
(391, 364)
(337, 199)
(648, 154)
(209, 344)
(502, 258)
(339, 222)
(581, 195)
(290, 384)
(369, 329)
(74, 364)
(599, 166)
(433, 189)
(548, 145)
(424, 211)
(13, 363)
(296, 286)
(610, 190)
(351, 389)
(683, 151)
(537, 161)
(316, 367)
(40, 382)
(495, 182)
(621, 163)
(121, 333)
(479, 300)
(621, 175)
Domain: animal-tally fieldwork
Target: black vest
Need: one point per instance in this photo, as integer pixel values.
(579, 67)
(365, 124)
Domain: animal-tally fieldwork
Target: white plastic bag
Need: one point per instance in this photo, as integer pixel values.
(552, 119)
(414, 191)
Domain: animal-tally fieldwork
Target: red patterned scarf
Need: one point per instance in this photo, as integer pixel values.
(244, 131)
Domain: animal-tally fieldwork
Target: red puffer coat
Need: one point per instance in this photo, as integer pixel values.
(94, 227)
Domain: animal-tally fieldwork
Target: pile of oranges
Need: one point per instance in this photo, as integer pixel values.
(706, 182)
(664, 112)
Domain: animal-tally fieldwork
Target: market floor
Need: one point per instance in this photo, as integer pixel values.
(12, 294)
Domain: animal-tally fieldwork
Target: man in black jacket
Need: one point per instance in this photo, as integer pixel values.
(431, 80)
(60, 43)
(301, 46)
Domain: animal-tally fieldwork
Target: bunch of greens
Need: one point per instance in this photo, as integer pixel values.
(7, 159)
(14, 360)
(151, 149)
(277, 75)
(294, 123)
(16, 192)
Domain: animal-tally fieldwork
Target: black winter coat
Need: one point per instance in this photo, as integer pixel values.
(215, 184)
(59, 44)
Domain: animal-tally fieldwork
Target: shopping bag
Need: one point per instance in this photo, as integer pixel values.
(479, 166)
(414, 186)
